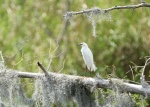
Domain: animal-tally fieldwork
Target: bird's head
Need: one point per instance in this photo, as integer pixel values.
(83, 44)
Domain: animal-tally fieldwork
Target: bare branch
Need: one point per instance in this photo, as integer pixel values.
(128, 7)
(143, 4)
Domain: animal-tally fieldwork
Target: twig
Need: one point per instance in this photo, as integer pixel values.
(49, 64)
(142, 78)
(132, 72)
(146, 63)
(51, 57)
(21, 59)
(62, 67)
(2, 66)
(2, 59)
(43, 69)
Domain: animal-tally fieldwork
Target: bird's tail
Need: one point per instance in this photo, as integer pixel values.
(94, 68)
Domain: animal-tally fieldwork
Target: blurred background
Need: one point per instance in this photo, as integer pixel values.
(32, 31)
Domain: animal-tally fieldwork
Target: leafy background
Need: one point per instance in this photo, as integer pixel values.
(32, 31)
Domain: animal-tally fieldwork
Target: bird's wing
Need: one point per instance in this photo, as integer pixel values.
(88, 57)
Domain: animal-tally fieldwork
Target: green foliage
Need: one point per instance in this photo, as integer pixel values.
(30, 31)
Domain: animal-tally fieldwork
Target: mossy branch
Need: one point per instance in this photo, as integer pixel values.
(92, 82)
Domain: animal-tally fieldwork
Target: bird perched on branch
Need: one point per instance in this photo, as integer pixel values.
(88, 57)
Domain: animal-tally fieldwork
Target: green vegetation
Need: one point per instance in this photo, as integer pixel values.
(33, 31)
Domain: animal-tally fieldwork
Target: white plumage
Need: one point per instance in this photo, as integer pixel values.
(88, 57)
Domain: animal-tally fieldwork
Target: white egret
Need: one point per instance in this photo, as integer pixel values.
(88, 57)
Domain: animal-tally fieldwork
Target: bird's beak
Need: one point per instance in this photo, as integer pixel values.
(79, 44)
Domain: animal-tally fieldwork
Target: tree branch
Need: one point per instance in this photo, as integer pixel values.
(128, 7)
(92, 82)
(143, 4)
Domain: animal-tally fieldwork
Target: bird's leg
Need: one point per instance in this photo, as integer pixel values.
(85, 70)
(90, 72)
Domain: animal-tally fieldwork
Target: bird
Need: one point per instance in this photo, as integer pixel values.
(88, 57)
